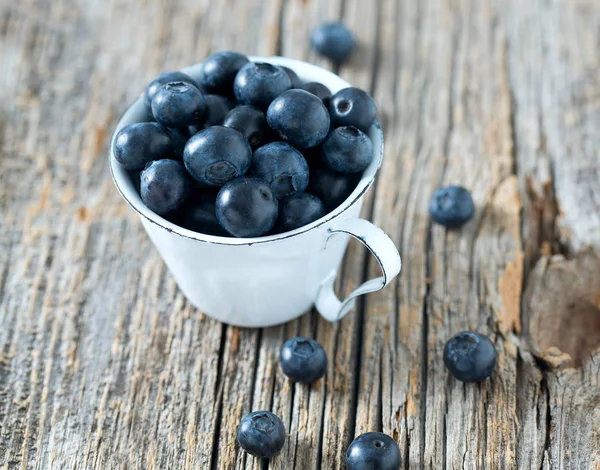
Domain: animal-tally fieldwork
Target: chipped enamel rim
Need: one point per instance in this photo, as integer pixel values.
(307, 72)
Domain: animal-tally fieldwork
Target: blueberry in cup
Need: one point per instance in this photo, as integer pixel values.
(300, 118)
(216, 155)
(163, 79)
(178, 104)
(259, 83)
(250, 121)
(218, 72)
(283, 168)
(246, 207)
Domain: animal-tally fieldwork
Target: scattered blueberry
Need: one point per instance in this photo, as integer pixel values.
(249, 121)
(283, 168)
(353, 107)
(373, 451)
(334, 41)
(217, 107)
(319, 90)
(216, 155)
(261, 434)
(259, 83)
(298, 210)
(347, 150)
(199, 214)
(300, 118)
(246, 207)
(451, 206)
(331, 187)
(161, 80)
(138, 144)
(294, 78)
(470, 356)
(218, 71)
(165, 185)
(178, 104)
(303, 360)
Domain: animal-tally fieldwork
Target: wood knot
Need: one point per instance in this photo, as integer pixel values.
(563, 297)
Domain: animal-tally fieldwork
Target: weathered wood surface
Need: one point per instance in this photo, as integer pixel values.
(104, 365)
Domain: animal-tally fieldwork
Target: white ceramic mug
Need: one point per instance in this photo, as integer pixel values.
(268, 280)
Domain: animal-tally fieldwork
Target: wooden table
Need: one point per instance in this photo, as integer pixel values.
(103, 363)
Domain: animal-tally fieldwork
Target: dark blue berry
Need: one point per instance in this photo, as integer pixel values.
(303, 360)
(161, 80)
(334, 40)
(294, 78)
(300, 118)
(199, 213)
(451, 206)
(283, 168)
(246, 207)
(217, 107)
(249, 121)
(353, 107)
(261, 434)
(259, 83)
(178, 140)
(298, 210)
(373, 451)
(165, 185)
(138, 144)
(218, 71)
(178, 104)
(331, 187)
(216, 155)
(347, 150)
(319, 90)
(470, 356)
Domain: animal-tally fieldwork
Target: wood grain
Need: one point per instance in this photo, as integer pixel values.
(103, 363)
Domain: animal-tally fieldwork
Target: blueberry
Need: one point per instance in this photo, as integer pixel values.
(331, 187)
(451, 206)
(373, 451)
(319, 90)
(334, 40)
(165, 185)
(246, 207)
(259, 83)
(178, 104)
(298, 210)
(217, 107)
(140, 143)
(282, 167)
(216, 155)
(218, 71)
(303, 360)
(161, 80)
(300, 118)
(261, 434)
(199, 213)
(294, 78)
(249, 121)
(353, 107)
(470, 356)
(178, 140)
(347, 150)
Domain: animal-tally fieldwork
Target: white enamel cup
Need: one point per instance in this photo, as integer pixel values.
(268, 280)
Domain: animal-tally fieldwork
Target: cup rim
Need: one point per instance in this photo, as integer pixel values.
(125, 187)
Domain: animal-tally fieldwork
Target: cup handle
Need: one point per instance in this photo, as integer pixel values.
(384, 251)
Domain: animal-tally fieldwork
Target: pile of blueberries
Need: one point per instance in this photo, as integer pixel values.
(248, 149)
(469, 356)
